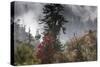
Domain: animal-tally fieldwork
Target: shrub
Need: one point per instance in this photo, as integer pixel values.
(24, 54)
(83, 48)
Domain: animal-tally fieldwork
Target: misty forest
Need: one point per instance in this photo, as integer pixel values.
(46, 33)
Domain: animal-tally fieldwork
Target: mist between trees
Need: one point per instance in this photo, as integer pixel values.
(30, 50)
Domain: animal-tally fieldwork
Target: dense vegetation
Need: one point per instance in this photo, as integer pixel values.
(51, 50)
(24, 54)
(78, 49)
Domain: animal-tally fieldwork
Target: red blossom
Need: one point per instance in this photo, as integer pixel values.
(44, 53)
(40, 46)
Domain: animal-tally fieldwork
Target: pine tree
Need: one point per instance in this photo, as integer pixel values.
(54, 21)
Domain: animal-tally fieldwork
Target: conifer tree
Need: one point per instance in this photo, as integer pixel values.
(54, 21)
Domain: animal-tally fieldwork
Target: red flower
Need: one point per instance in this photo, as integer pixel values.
(40, 46)
(42, 53)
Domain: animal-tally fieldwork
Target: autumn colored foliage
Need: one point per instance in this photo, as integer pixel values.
(82, 48)
(46, 48)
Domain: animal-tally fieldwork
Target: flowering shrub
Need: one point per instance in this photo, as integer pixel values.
(83, 48)
(45, 49)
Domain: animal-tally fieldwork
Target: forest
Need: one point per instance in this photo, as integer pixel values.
(29, 49)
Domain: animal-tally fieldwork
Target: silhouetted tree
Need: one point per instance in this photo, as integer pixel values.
(54, 21)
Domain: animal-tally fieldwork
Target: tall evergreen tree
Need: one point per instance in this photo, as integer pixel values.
(54, 21)
(54, 18)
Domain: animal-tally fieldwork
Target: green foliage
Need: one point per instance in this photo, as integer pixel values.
(24, 54)
(58, 46)
(54, 20)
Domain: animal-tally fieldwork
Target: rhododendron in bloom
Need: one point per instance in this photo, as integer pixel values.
(45, 48)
